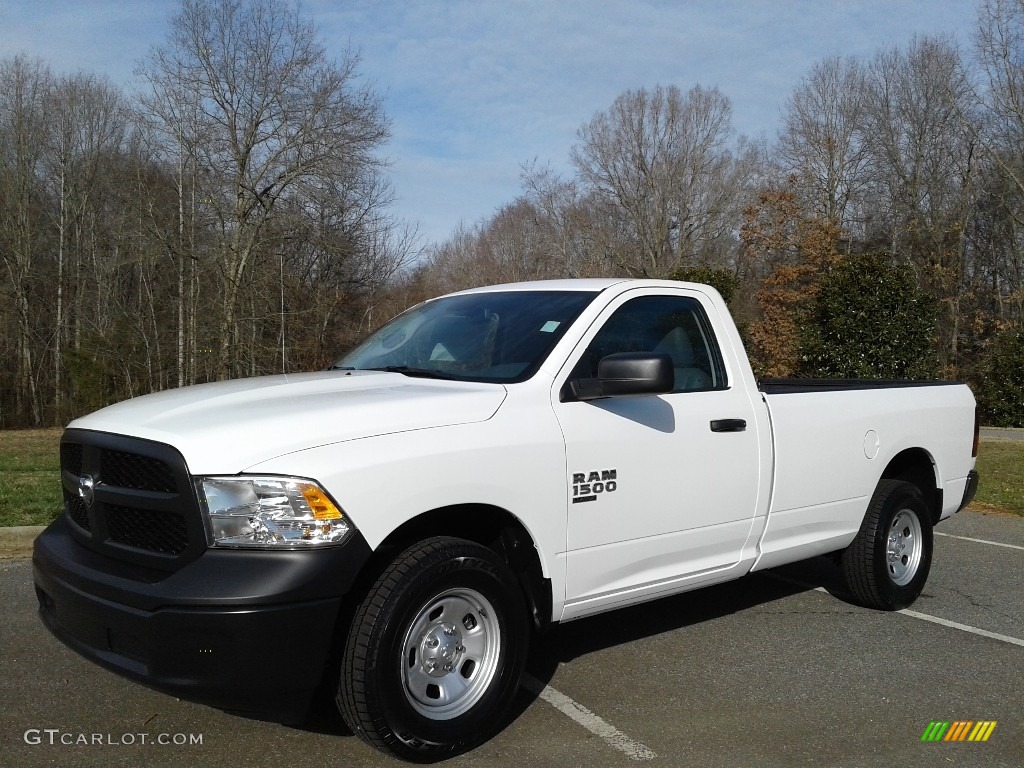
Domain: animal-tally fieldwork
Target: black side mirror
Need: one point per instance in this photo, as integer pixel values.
(628, 373)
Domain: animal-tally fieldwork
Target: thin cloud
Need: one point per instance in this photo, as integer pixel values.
(475, 88)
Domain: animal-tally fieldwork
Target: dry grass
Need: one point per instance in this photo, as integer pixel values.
(1001, 466)
(29, 476)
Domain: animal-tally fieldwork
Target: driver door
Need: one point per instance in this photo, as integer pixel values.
(662, 488)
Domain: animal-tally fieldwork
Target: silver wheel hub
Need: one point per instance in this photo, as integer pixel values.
(450, 654)
(904, 547)
(441, 650)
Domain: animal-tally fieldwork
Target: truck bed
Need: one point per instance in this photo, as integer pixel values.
(836, 437)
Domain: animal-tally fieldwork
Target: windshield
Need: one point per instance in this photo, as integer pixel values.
(500, 336)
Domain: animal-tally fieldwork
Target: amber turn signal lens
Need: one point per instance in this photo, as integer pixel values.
(319, 504)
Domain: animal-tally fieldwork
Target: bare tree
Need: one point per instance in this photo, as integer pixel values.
(821, 142)
(274, 120)
(86, 128)
(659, 158)
(920, 149)
(922, 156)
(999, 42)
(25, 87)
(562, 217)
(999, 223)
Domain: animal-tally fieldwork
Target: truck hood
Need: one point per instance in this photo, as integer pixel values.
(228, 426)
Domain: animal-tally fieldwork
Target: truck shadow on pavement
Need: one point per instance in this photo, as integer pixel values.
(666, 614)
(628, 625)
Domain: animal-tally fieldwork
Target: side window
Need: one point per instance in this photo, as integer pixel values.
(672, 325)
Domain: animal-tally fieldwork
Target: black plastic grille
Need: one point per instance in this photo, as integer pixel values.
(71, 458)
(131, 499)
(147, 529)
(140, 473)
(77, 510)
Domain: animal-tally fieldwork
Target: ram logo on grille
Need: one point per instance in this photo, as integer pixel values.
(86, 490)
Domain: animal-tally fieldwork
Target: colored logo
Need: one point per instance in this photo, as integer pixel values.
(958, 730)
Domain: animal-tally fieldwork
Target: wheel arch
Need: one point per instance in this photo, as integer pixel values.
(487, 525)
(917, 467)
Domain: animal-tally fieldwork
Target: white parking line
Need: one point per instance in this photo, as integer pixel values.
(963, 627)
(979, 541)
(611, 735)
(917, 615)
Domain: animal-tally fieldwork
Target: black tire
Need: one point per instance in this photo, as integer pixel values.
(435, 652)
(887, 565)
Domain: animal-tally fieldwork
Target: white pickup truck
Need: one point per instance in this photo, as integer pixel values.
(486, 464)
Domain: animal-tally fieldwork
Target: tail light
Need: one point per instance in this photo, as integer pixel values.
(977, 433)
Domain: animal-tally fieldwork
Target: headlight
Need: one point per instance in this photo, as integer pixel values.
(270, 512)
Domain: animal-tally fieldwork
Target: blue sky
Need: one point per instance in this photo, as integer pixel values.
(477, 88)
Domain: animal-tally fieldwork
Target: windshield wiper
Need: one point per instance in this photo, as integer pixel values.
(419, 373)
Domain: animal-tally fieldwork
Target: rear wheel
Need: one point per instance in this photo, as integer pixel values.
(435, 652)
(887, 565)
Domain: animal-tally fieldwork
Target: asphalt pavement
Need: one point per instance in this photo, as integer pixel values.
(776, 669)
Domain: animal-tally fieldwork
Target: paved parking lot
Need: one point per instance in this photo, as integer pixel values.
(776, 669)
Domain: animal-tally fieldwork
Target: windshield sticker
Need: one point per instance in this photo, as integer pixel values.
(550, 326)
(586, 486)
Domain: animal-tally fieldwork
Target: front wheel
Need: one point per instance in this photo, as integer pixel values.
(888, 562)
(435, 652)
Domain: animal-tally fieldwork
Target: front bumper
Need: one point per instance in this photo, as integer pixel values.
(245, 631)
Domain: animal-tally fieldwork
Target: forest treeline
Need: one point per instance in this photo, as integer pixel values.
(233, 218)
